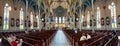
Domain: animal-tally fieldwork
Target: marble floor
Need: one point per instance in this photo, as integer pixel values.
(60, 39)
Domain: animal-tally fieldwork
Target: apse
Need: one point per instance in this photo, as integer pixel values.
(60, 11)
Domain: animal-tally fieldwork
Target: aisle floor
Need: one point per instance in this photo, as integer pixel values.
(60, 39)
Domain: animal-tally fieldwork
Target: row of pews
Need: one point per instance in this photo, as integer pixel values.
(98, 38)
(4, 35)
(32, 38)
(44, 37)
(10, 32)
(37, 38)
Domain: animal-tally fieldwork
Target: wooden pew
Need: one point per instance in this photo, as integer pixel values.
(100, 41)
(43, 36)
(76, 36)
(85, 42)
(112, 41)
(32, 41)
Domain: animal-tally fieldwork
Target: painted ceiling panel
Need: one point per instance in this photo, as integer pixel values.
(35, 7)
(77, 4)
(42, 4)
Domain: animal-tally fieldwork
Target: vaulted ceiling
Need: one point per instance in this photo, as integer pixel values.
(43, 5)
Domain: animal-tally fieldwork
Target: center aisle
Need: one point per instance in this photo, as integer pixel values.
(60, 39)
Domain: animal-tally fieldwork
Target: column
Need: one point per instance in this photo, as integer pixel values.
(27, 20)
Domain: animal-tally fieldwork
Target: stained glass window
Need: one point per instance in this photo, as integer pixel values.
(37, 21)
(60, 20)
(98, 18)
(21, 19)
(7, 9)
(88, 20)
(82, 19)
(31, 19)
(112, 7)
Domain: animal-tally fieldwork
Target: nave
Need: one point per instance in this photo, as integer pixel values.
(38, 23)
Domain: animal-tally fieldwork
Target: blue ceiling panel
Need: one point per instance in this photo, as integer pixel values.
(42, 4)
(35, 8)
(77, 4)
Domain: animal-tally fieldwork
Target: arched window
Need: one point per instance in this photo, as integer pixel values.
(37, 21)
(21, 19)
(63, 20)
(112, 7)
(82, 19)
(60, 20)
(98, 18)
(31, 19)
(88, 20)
(7, 9)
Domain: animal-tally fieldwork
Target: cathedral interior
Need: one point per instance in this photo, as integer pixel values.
(60, 22)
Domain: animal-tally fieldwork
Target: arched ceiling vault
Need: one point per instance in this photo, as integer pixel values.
(72, 5)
